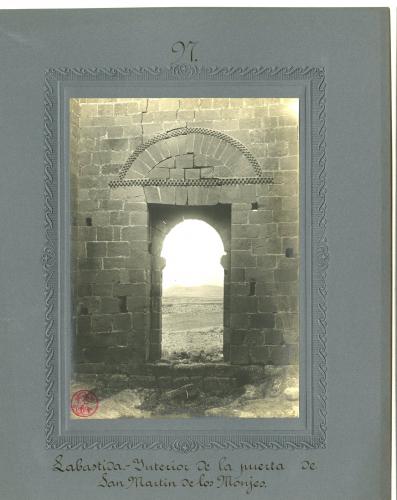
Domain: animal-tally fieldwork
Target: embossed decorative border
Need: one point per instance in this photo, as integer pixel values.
(314, 77)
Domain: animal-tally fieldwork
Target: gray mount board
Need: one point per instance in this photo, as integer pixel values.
(350, 49)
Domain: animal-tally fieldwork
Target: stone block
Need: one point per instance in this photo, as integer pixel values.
(167, 195)
(270, 246)
(261, 217)
(293, 354)
(261, 320)
(109, 305)
(140, 259)
(259, 354)
(241, 244)
(278, 149)
(243, 258)
(102, 290)
(240, 304)
(287, 321)
(274, 337)
(137, 303)
(114, 144)
(102, 323)
(237, 274)
(184, 161)
(267, 304)
(186, 115)
(83, 325)
(132, 206)
(96, 354)
(266, 202)
(288, 303)
(84, 289)
(192, 173)
(138, 276)
(245, 230)
(177, 173)
(181, 195)
(107, 276)
(293, 148)
(119, 218)
(130, 289)
(131, 193)
(118, 249)
(253, 123)
(159, 173)
(134, 233)
(189, 103)
(152, 194)
(87, 276)
(239, 355)
(260, 275)
(96, 249)
(103, 340)
(239, 320)
(104, 233)
(207, 172)
(287, 133)
(196, 195)
(140, 320)
(88, 205)
(122, 322)
(119, 354)
(230, 194)
(90, 263)
(213, 195)
(286, 216)
(290, 336)
(240, 217)
(114, 262)
(268, 230)
(248, 191)
(222, 145)
(279, 355)
(286, 275)
(289, 163)
(87, 233)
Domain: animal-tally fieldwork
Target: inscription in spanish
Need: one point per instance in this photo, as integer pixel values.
(138, 473)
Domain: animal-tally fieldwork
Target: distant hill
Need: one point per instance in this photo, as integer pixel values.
(206, 291)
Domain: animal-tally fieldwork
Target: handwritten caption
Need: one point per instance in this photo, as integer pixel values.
(204, 474)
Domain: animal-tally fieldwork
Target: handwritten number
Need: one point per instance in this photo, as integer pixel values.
(307, 465)
(178, 47)
(184, 50)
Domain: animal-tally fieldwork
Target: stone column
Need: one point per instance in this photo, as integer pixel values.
(225, 262)
(158, 264)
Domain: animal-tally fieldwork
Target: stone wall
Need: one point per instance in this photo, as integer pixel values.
(115, 269)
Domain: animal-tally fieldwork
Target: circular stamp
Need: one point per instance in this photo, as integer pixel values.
(84, 403)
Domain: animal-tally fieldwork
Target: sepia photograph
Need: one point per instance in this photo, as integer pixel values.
(185, 257)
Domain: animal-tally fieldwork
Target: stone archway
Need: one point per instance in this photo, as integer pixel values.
(162, 218)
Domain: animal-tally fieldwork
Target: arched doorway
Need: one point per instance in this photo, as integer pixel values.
(190, 248)
(192, 300)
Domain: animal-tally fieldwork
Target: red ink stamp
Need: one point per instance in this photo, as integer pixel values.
(84, 403)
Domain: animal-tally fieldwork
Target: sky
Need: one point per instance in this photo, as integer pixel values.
(193, 250)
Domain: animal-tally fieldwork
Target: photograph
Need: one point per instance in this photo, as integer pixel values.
(185, 252)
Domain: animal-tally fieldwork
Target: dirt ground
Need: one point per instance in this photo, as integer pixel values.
(193, 332)
(276, 397)
(192, 324)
